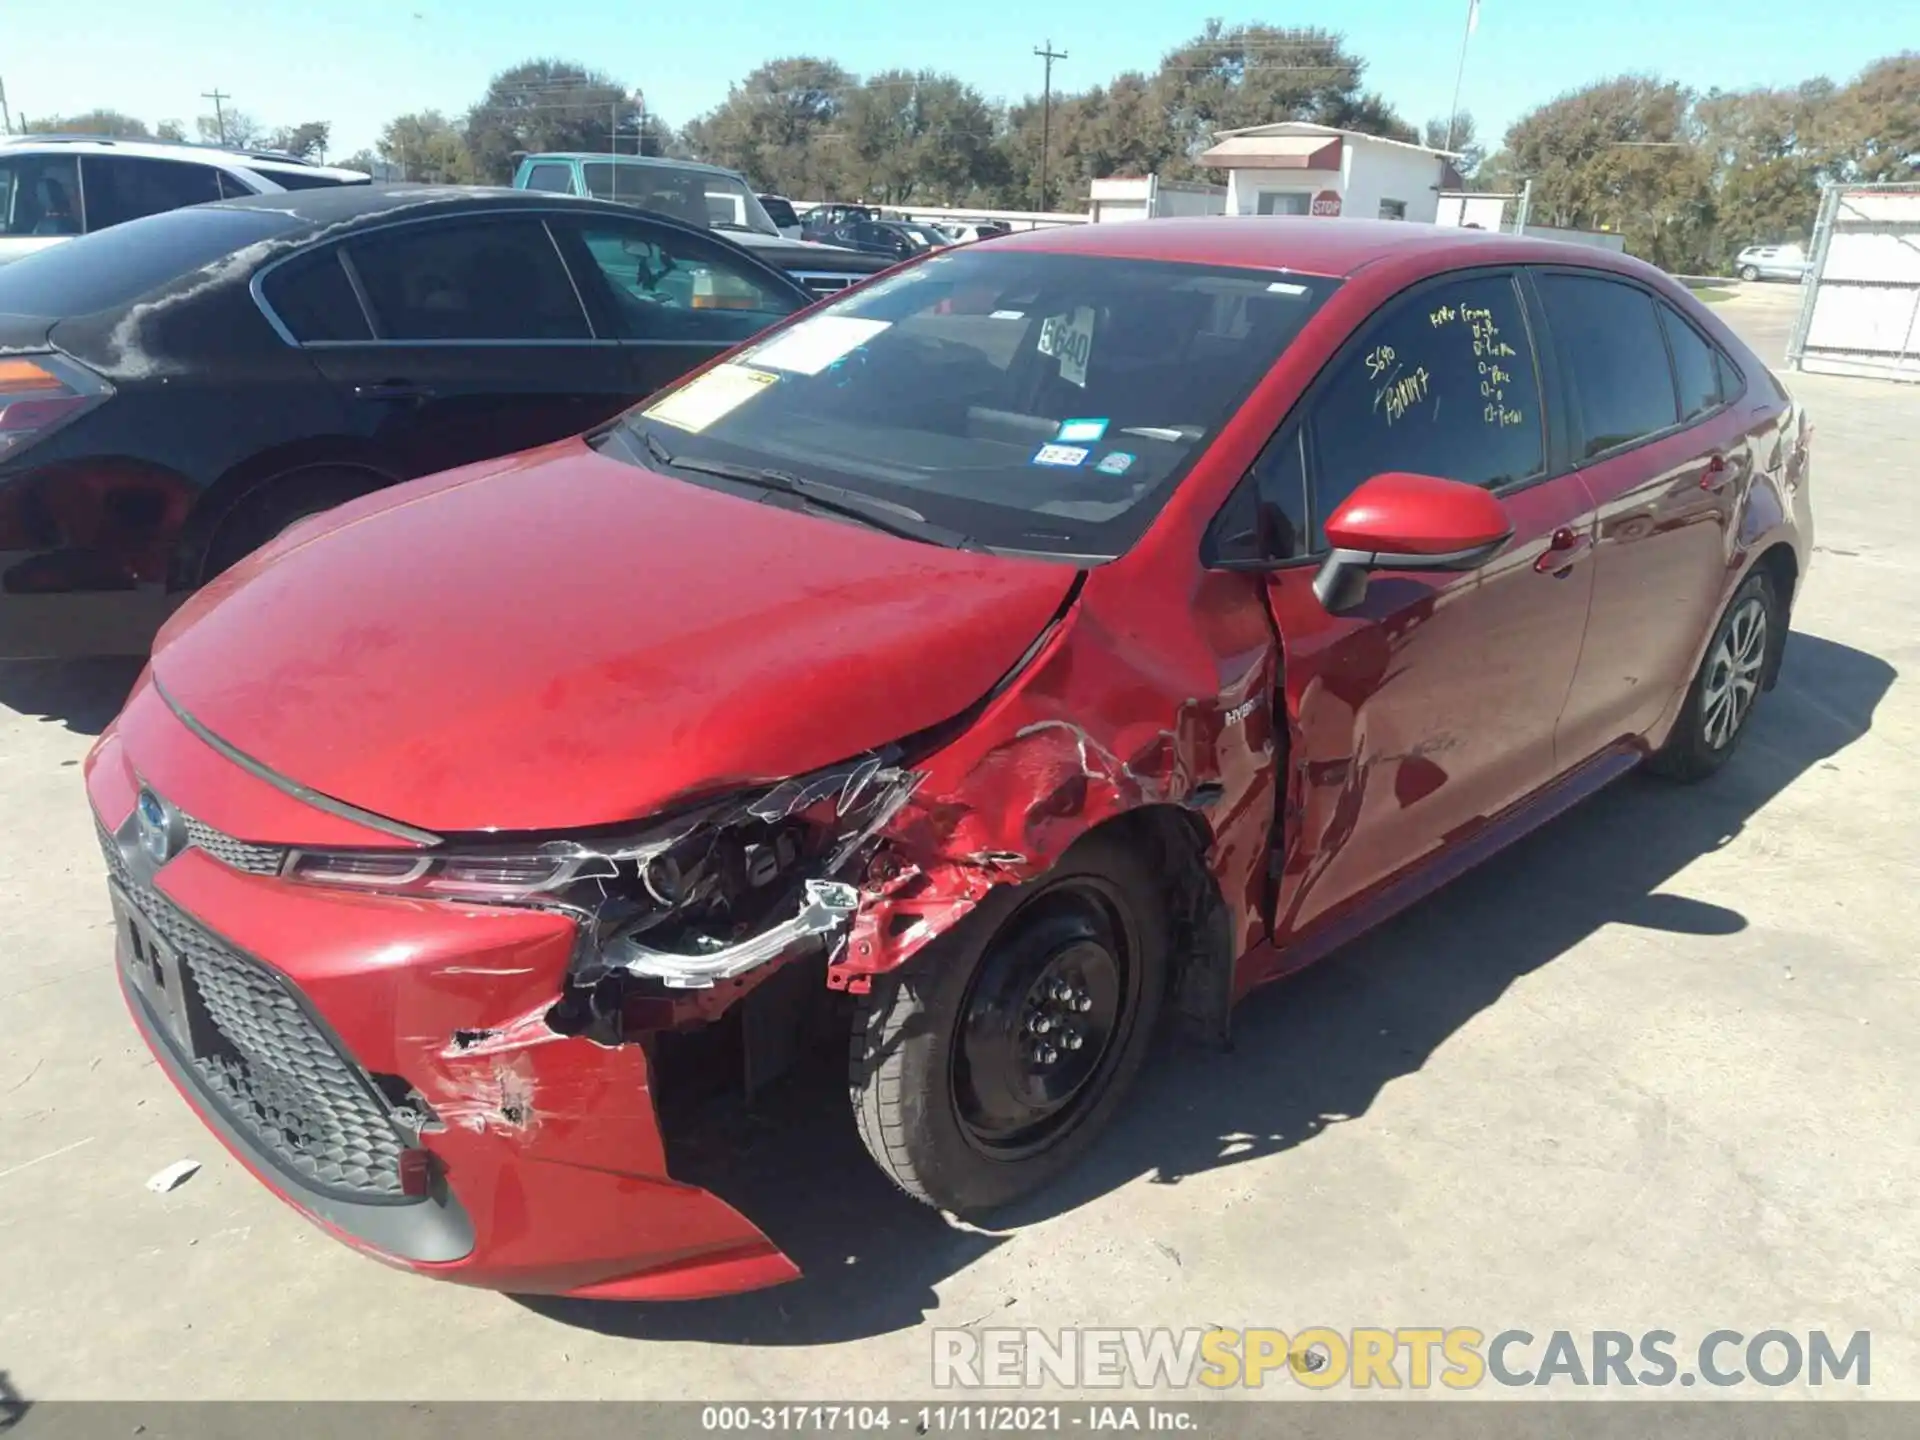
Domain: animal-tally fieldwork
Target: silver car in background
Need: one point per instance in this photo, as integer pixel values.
(1772, 262)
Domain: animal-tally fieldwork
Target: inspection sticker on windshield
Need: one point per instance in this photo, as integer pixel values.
(1060, 455)
(1081, 431)
(812, 345)
(1070, 338)
(1118, 463)
(719, 392)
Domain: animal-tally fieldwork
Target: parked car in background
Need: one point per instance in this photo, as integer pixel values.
(703, 195)
(896, 239)
(780, 210)
(1772, 262)
(1068, 633)
(984, 230)
(53, 187)
(177, 390)
(822, 219)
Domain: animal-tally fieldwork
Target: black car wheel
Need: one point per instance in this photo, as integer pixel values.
(276, 505)
(984, 1067)
(1721, 700)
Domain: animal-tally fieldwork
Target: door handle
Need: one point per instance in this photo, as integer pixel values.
(1566, 548)
(1716, 475)
(392, 390)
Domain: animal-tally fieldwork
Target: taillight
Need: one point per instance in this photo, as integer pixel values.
(39, 394)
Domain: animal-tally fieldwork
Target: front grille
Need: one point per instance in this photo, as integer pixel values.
(266, 1062)
(254, 859)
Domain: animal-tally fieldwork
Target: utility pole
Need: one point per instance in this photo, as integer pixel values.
(1049, 55)
(219, 114)
(5, 113)
(1473, 23)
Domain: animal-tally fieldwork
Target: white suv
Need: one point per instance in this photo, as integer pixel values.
(1772, 262)
(53, 187)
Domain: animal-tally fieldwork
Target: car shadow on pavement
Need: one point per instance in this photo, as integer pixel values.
(83, 695)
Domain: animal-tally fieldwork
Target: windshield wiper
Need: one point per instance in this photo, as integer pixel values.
(869, 510)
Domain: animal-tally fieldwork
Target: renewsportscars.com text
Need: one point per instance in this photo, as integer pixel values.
(1411, 1358)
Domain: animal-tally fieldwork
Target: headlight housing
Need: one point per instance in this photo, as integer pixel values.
(690, 899)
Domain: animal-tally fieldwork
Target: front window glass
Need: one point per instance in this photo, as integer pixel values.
(1032, 402)
(708, 199)
(670, 286)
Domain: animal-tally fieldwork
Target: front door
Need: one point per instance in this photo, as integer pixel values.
(481, 346)
(1432, 708)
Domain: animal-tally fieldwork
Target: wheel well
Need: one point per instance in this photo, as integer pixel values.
(1201, 975)
(1780, 567)
(250, 478)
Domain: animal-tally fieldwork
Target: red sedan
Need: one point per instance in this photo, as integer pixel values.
(1057, 637)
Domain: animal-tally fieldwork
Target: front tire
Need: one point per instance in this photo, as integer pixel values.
(1721, 700)
(984, 1067)
(1749, 274)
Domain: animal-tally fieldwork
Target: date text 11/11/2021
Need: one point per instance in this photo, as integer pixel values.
(863, 1419)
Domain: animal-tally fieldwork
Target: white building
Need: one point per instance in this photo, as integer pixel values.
(1126, 198)
(1297, 168)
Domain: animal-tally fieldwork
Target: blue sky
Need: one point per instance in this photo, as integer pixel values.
(359, 62)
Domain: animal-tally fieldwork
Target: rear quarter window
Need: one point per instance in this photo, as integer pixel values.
(116, 266)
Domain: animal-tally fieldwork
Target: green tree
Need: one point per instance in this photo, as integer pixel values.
(94, 122)
(1232, 76)
(1770, 150)
(1464, 141)
(1621, 155)
(233, 128)
(547, 104)
(366, 162)
(1876, 121)
(777, 126)
(916, 136)
(426, 146)
(307, 140)
(170, 130)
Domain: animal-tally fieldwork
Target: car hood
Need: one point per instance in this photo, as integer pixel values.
(564, 640)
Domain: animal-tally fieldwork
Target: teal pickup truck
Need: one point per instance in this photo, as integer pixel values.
(704, 195)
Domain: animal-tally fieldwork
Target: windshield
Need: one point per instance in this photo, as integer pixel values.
(709, 199)
(779, 211)
(1038, 403)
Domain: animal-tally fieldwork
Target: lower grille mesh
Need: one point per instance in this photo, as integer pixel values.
(292, 1091)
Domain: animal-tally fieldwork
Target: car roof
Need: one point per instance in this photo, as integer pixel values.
(1307, 245)
(344, 204)
(650, 162)
(268, 162)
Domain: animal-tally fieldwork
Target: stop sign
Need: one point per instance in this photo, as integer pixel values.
(1327, 202)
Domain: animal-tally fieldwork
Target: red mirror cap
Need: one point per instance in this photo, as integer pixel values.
(1405, 514)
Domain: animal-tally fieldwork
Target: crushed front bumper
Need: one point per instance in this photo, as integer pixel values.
(384, 1066)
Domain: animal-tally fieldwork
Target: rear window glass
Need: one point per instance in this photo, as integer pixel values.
(115, 266)
(779, 211)
(315, 300)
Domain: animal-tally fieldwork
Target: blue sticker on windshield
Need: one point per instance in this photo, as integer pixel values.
(1082, 432)
(1060, 455)
(1115, 464)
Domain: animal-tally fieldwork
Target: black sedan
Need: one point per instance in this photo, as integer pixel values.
(176, 391)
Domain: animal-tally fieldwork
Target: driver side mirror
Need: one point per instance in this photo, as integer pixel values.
(1401, 521)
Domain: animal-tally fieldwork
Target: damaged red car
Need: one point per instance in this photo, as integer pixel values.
(1042, 644)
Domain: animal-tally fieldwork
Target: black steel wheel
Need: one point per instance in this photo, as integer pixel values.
(984, 1067)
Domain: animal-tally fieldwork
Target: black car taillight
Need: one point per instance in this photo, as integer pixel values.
(39, 394)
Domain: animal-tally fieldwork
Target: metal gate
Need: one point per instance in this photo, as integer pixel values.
(1860, 304)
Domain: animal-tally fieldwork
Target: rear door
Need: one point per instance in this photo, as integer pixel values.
(674, 300)
(1431, 708)
(474, 341)
(1666, 457)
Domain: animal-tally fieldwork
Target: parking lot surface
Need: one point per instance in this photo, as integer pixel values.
(1653, 1068)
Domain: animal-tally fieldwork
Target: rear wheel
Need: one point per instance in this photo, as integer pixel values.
(985, 1067)
(1747, 272)
(1721, 699)
(274, 506)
